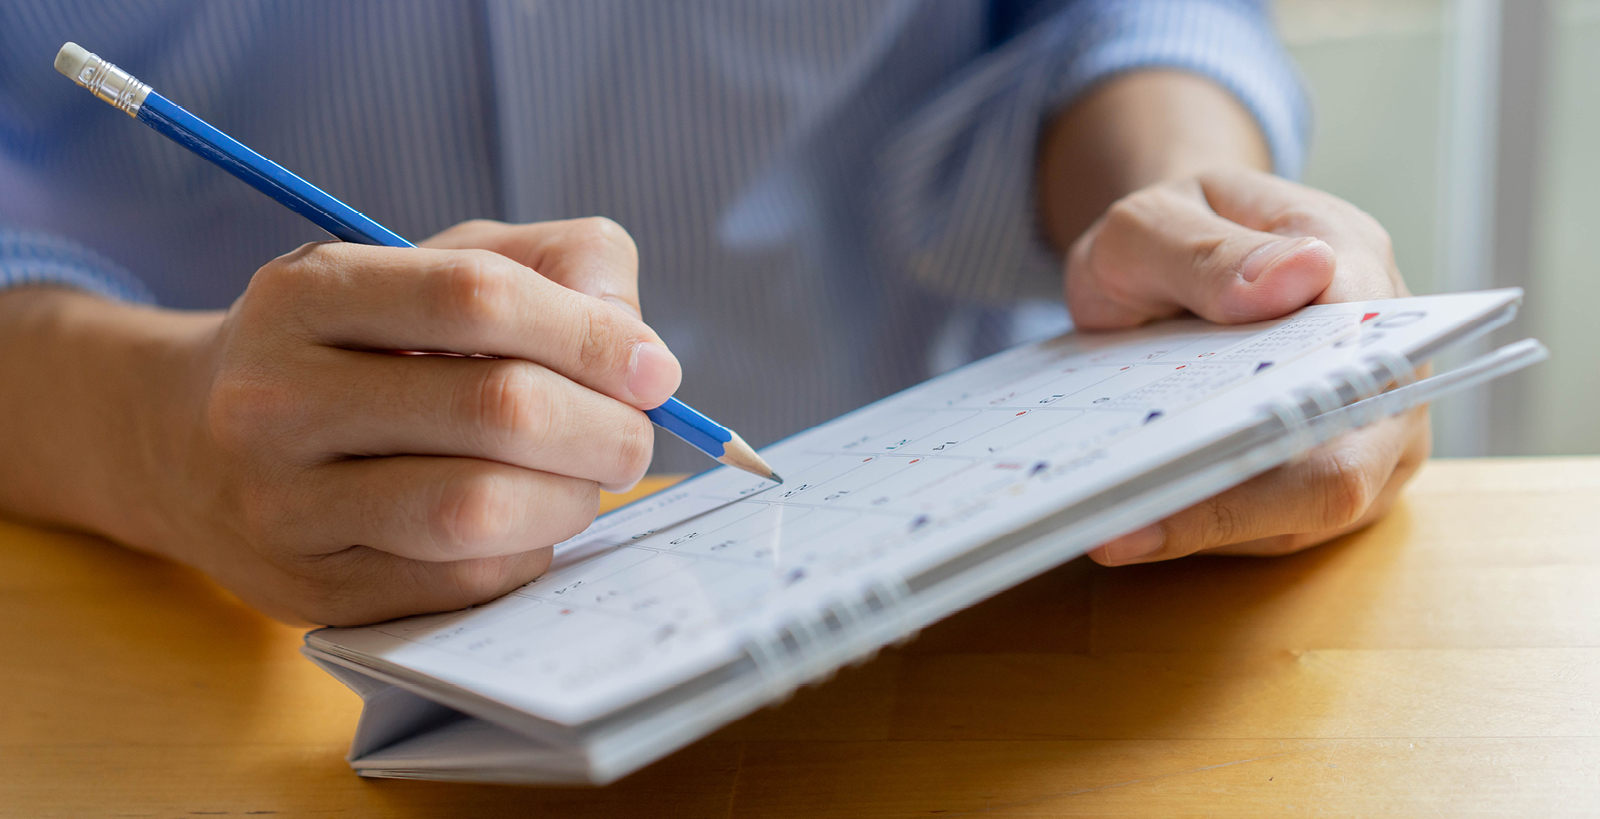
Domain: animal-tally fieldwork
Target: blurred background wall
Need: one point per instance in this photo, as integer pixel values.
(1469, 129)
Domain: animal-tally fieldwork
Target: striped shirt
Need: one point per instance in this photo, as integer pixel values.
(831, 198)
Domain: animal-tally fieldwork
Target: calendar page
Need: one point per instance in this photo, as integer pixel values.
(672, 585)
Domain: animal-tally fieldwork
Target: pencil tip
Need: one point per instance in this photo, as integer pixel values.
(738, 454)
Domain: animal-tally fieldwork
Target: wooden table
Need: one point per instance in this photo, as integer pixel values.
(1446, 662)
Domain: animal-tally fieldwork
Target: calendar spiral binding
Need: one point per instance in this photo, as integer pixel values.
(852, 630)
(846, 631)
(1347, 388)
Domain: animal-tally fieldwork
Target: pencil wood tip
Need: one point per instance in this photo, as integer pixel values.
(738, 454)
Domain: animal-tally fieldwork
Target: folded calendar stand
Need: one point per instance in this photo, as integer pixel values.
(687, 610)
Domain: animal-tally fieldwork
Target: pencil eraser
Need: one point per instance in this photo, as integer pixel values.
(71, 59)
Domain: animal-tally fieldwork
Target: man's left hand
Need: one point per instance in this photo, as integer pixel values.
(1239, 246)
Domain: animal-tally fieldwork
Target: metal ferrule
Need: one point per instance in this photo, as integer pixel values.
(113, 85)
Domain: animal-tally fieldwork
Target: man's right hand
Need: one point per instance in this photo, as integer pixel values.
(303, 452)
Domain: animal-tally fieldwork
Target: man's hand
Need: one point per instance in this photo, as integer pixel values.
(299, 449)
(1238, 246)
(1129, 190)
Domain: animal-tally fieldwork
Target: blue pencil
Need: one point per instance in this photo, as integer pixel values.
(135, 98)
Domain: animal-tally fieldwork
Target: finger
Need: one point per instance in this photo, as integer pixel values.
(593, 256)
(471, 302)
(1417, 451)
(362, 585)
(1331, 490)
(1163, 251)
(505, 409)
(435, 509)
(1366, 267)
(1279, 545)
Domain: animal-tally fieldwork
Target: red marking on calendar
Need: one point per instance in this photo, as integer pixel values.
(1368, 317)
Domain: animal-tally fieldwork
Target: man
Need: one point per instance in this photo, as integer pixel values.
(819, 200)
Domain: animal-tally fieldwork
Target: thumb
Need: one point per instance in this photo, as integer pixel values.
(1163, 250)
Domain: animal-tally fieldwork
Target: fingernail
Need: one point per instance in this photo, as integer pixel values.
(1134, 545)
(653, 374)
(1259, 260)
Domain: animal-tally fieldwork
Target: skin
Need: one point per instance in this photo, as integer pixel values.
(456, 409)
(1153, 187)
(283, 431)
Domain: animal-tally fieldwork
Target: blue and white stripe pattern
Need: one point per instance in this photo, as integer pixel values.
(41, 258)
(818, 188)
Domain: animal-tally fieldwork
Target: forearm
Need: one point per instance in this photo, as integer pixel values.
(86, 383)
(1137, 130)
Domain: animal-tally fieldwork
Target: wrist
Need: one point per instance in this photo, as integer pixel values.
(97, 429)
(1137, 130)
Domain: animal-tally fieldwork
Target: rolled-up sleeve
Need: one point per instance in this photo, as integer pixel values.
(956, 182)
(33, 258)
